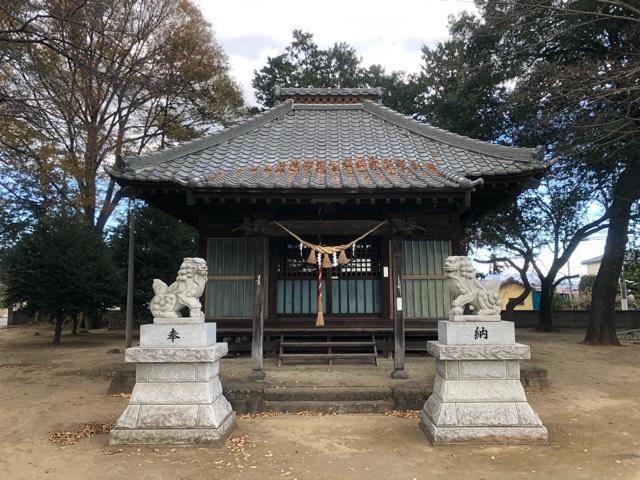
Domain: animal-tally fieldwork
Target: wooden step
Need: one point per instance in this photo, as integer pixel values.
(334, 343)
(305, 356)
(329, 344)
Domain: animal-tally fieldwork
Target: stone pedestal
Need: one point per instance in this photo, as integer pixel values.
(477, 395)
(178, 396)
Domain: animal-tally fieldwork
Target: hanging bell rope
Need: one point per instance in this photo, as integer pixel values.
(320, 308)
(322, 255)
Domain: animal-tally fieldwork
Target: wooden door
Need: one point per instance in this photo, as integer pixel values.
(425, 291)
(231, 278)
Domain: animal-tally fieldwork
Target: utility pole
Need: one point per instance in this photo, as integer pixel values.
(570, 285)
(624, 302)
(128, 340)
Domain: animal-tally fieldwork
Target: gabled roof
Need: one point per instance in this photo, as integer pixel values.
(597, 259)
(311, 144)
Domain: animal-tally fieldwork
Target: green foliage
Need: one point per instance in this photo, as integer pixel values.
(161, 242)
(632, 274)
(462, 82)
(3, 296)
(586, 283)
(304, 64)
(60, 268)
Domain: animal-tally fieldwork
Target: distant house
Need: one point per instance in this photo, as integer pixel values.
(593, 265)
(512, 288)
(5, 316)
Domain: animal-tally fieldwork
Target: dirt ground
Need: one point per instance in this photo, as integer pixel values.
(591, 408)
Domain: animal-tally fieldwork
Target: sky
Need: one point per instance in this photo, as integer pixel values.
(386, 33)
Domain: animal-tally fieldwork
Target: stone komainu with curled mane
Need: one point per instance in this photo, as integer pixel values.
(468, 290)
(184, 292)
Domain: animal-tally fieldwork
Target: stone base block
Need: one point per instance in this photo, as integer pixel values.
(177, 320)
(476, 333)
(174, 436)
(143, 416)
(478, 369)
(177, 372)
(210, 353)
(515, 351)
(483, 435)
(478, 390)
(178, 397)
(475, 318)
(178, 335)
(480, 401)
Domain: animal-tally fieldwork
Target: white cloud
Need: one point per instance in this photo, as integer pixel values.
(389, 34)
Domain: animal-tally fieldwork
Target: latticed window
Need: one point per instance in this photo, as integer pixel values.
(353, 288)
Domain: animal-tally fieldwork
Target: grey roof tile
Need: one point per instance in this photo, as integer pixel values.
(329, 146)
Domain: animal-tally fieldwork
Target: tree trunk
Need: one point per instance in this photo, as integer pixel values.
(601, 329)
(88, 321)
(74, 324)
(515, 301)
(58, 330)
(545, 324)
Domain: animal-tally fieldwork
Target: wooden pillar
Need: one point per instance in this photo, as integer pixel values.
(128, 325)
(203, 236)
(203, 252)
(257, 331)
(398, 321)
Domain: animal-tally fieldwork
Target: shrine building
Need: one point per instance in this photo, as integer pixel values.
(327, 166)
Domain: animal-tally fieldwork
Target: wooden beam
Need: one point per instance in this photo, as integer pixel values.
(398, 322)
(203, 247)
(203, 234)
(257, 331)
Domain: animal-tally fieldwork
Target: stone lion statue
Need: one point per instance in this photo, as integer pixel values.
(468, 290)
(184, 292)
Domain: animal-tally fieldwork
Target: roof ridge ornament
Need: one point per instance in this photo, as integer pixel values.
(323, 95)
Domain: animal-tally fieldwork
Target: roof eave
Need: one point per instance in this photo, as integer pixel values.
(525, 155)
(155, 158)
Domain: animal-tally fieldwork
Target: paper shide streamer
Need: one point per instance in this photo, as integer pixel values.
(327, 256)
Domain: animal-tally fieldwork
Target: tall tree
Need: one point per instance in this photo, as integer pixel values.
(60, 268)
(578, 64)
(305, 64)
(543, 228)
(560, 73)
(84, 80)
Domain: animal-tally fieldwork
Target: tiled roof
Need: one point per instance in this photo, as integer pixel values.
(358, 146)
